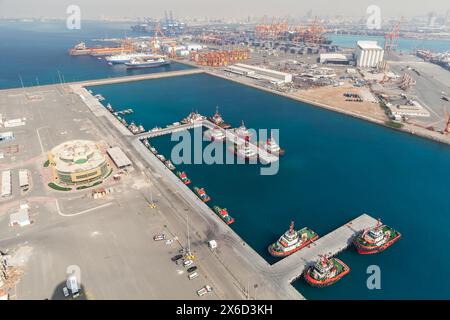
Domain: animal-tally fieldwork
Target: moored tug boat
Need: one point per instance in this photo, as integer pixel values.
(376, 239)
(161, 157)
(223, 214)
(153, 150)
(272, 147)
(193, 117)
(292, 241)
(200, 192)
(244, 150)
(146, 144)
(169, 165)
(218, 120)
(326, 272)
(242, 131)
(215, 134)
(183, 177)
(109, 107)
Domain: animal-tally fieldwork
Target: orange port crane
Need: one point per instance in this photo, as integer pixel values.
(313, 34)
(391, 38)
(272, 31)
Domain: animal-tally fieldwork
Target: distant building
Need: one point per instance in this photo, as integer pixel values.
(276, 77)
(6, 136)
(6, 183)
(368, 54)
(119, 157)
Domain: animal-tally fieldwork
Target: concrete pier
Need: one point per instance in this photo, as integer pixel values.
(292, 267)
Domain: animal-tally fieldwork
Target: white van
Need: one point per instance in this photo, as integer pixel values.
(187, 263)
(193, 275)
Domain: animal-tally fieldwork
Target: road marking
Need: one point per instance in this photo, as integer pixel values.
(80, 212)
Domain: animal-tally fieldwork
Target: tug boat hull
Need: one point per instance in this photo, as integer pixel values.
(364, 247)
(278, 254)
(344, 270)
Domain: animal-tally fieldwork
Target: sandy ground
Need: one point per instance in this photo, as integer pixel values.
(334, 96)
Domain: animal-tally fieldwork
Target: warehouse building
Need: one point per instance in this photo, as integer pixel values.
(333, 58)
(6, 136)
(119, 157)
(6, 183)
(273, 76)
(78, 162)
(369, 54)
(23, 178)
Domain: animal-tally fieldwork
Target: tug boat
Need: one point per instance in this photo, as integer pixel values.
(272, 147)
(242, 131)
(183, 177)
(109, 107)
(146, 144)
(215, 134)
(292, 241)
(169, 165)
(223, 214)
(218, 120)
(200, 192)
(326, 272)
(245, 151)
(193, 117)
(376, 239)
(136, 129)
(153, 150)
(161, 157)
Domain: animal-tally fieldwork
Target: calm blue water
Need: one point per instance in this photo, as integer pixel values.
(335, 168)
(405, 45)
(37, 51)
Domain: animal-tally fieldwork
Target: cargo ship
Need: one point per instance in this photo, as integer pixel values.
(326, 272)
(200, 192)
(124, 58)
(79, 50)
(376, 239)
(272, 147)
(138, 63)
(223, 214)
(218, 120)
(292, 241)
(183, 177)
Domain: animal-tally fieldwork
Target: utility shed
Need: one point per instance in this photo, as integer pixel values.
(119, 157)
(23, 178)
(19, 218)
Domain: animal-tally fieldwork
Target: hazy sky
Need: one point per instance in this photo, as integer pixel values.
(218, 8)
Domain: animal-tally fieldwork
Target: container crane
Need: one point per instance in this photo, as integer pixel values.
(391, 38)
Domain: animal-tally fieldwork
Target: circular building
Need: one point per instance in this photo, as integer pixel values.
(78, 162)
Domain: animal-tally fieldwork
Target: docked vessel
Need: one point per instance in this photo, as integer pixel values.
(215, 134)
(223, 214)
(153, 150)
(146, 144)
(376, 239)
(161, 157)
(218, 120)
(79, 50)
(292, 241)
(169, 165)
(200, 192)
(242, 131)
(272, 147)
(153, 62)
(193, 117)
(124, 58)
(183, 177)
(326, 272)
(244, 151)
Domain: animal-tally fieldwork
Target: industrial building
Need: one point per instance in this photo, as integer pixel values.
(6, 183)
(369, 54)
(333, 58)
(6, 136)
(78, 162)
(23, 178)
(273, 76)
(119, 157)
(20, 218)
(411, 109)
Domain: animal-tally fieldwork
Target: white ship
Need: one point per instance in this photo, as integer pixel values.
(243, 132)
(126, 57)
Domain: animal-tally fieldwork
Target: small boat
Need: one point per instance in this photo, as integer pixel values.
(161, 157)
(169, 165)
(215, 134)
(99, 97)
(153, 150)
(183, 177)
(145, 142)
(200, 192)
(326, 272)
(376, 239)
(272, 147)
(223, 214)
(244, 151)
(242, 131)
(193, 117)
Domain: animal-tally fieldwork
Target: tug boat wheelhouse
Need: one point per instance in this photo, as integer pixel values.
(376, 239)
(292, 241)
(242, 131)
(326, 272)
